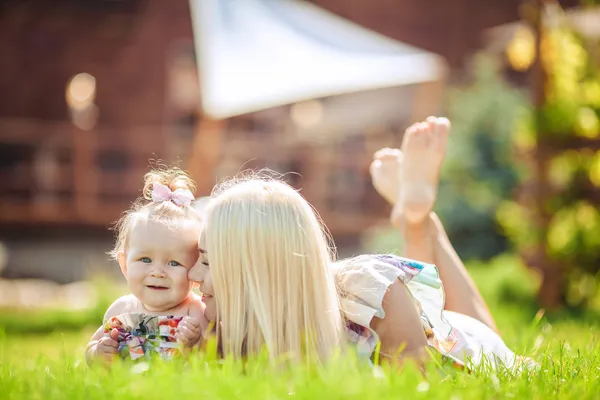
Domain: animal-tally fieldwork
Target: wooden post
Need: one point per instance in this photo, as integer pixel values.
(427, 99)
(205, 154)
(85, 173)
(551, 293)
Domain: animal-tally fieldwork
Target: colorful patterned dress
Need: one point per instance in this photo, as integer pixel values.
(362, 283)
(145, 336)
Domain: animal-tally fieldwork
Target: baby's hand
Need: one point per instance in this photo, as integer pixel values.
(189, 331)
(107, 347)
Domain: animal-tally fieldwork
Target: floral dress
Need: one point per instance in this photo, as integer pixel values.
(364, 280)
(145, 336)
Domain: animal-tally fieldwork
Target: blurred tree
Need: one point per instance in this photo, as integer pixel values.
(525, 173)
(479, 172)
(554, 220)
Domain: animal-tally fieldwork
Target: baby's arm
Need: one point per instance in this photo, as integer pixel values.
(191, 327)
(106, 346)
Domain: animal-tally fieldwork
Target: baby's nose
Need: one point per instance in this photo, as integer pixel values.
(158, 273)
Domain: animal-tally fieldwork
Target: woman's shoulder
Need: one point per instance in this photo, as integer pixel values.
(363, 281)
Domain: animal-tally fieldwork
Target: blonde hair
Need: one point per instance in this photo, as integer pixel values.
(165, 211)
(269, 258)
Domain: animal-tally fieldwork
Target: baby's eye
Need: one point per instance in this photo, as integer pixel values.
(174, 263)
(146, 260)
(204, 263)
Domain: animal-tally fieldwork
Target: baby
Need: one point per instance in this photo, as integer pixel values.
(157, 243)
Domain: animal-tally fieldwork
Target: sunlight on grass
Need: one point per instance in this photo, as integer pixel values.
(35, 366)
(568, 371)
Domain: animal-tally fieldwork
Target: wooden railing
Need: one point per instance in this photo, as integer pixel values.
(334, 179)
(53, 172)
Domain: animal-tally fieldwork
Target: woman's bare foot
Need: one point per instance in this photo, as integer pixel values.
(385, 173)
(423, 148)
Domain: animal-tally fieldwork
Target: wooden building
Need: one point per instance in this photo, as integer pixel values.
(92, 90)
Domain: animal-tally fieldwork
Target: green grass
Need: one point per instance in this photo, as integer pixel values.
(51, 366)
(47, 321)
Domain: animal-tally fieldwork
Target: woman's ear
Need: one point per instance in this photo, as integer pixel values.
(122, 260)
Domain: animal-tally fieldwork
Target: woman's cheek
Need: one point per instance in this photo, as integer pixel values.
(210, 312)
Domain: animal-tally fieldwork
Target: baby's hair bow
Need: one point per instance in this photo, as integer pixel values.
(180, 197)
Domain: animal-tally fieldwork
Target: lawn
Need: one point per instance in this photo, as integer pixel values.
(50, 365)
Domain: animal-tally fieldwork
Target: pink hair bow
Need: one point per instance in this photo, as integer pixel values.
(180, 197)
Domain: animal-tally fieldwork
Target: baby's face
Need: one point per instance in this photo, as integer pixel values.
(158, 258)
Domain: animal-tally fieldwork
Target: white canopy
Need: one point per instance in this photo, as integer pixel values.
(258, 54)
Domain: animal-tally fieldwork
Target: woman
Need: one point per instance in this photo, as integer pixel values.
(266, 271)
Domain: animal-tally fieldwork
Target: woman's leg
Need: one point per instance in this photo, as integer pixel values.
(409, 180)
(387, 169)
(462, 295)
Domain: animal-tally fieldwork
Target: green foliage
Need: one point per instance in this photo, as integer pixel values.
(486, 197)
(565, 129)
(17, 321)
(14, 321)
(479, 172)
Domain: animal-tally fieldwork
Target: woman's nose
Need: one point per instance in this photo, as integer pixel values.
(195, 274)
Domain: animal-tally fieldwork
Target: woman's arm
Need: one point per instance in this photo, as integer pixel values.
(428, 242)
(400, 331)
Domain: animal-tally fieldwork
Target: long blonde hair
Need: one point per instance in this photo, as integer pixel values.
(269, 258)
